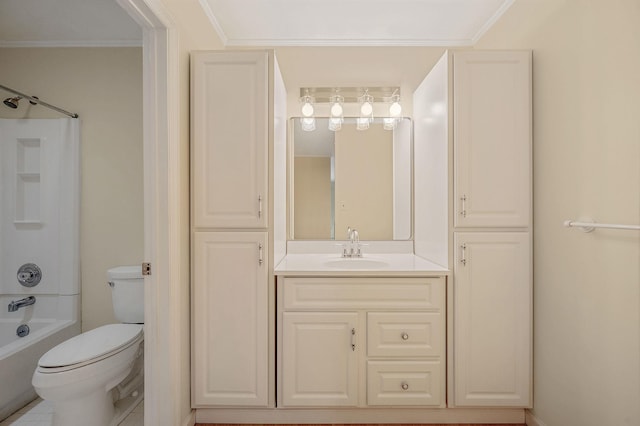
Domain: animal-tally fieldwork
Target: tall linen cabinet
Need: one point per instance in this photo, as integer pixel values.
(238, 188)
(472, 132)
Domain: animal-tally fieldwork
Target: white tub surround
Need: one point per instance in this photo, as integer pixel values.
(39, 224)
(51, 320)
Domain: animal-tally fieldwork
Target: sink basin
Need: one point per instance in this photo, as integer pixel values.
(356, 263)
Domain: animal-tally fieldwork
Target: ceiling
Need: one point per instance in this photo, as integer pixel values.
(66, 23)
(260, 22)
(353, 22)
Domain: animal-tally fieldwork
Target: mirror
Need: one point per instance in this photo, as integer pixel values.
(350, 177)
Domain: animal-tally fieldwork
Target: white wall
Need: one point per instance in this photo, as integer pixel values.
(586, 87)
(104, 86)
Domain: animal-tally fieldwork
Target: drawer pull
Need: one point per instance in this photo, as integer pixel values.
(404, 386)
(404, 336)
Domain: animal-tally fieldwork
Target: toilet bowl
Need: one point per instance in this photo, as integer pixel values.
(97, 377)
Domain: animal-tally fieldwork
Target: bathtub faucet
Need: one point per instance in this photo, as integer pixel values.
(17, 304)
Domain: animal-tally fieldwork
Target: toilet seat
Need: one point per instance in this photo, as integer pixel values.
(90, 347)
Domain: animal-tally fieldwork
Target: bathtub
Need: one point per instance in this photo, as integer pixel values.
(49, 325)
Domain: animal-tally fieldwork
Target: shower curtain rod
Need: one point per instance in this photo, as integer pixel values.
(39, 102)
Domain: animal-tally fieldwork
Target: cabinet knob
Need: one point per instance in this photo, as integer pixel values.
(404, 385)
(404, 336)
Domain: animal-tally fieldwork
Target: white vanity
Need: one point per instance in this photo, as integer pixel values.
(361, 332)
(433, 329)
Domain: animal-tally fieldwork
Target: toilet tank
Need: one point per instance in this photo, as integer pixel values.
(127, 293)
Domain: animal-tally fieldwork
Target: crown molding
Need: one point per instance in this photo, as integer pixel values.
(67, 43)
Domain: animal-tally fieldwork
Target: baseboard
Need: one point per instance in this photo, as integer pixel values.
(190, 420)
(364, 415)
(532, 420)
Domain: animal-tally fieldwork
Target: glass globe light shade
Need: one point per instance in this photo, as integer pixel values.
(362, 123)
(308, 124)
(335, 124)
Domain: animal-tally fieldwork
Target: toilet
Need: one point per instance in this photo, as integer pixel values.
(97, 377)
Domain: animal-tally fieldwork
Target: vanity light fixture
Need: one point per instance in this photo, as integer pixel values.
(336, 112)
(358, 102)
(307, 120)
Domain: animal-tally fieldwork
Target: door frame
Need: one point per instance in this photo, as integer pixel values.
(162, 214)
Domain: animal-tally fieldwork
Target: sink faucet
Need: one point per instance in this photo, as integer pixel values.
(17, 304)
(354, 244)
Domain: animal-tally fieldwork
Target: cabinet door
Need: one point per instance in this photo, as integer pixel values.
(230, 319)
(492, 139)
(230, 139)
(492, 319)
(319, 359)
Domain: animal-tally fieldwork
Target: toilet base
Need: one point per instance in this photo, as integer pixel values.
(125, 405)
(95, 408)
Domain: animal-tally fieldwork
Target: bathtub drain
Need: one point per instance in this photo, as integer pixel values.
(22, 330)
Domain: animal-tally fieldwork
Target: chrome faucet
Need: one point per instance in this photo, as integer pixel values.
(17, 304)
(354, 244)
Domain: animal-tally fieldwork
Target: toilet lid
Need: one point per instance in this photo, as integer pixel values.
(90, 345)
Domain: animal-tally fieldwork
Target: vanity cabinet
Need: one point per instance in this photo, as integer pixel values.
(493, 327)
(321, 361)
(492, 139)
(230, 139)
(473, 213)
(357, 342)
(238, 101)
(230, 328)
(492, 292)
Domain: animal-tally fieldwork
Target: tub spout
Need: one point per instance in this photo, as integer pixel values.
(17, 304)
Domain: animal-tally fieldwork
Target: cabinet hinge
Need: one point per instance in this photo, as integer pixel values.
(146, 268)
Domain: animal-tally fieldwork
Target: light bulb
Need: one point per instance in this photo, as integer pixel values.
(335, 124)
(307, 109)
(395, 110)
(336, 110)
(366, 109)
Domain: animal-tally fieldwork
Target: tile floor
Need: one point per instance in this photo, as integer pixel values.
(39, 413)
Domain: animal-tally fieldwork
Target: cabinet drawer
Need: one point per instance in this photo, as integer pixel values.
(364, 293)
(404, 383)
(411, 334)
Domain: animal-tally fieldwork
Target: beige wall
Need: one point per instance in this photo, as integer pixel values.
(104, 86)
(312, 198)
(586, 80)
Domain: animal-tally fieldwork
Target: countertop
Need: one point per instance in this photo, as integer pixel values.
(379, 264)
